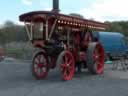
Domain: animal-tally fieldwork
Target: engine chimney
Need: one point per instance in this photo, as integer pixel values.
(56, 6)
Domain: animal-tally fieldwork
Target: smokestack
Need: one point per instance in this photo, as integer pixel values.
(56, 6)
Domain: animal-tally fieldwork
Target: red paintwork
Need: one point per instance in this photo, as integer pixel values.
(38, 43)
(67, 66)
(40, 66)
(98, 56)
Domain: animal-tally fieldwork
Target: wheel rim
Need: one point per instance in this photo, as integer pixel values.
(98, 57)
(40, 66)
(67, 66)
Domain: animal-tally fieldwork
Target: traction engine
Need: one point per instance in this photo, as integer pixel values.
(64, 42)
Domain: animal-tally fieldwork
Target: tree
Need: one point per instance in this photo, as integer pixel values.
(120, 26)
(11, 32)
(8, 24)
(2, 38)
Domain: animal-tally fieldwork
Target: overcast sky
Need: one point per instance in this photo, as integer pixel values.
(101, 10)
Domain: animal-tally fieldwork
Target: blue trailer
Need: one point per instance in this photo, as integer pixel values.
(113, 42)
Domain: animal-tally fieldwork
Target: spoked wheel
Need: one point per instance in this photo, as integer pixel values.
(87, 39)
(67, 65)
(40, 65)
(95, 58)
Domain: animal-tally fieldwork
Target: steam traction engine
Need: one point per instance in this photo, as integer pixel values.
(64, 41)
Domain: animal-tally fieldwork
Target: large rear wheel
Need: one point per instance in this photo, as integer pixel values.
(95, 58)
(40, 65)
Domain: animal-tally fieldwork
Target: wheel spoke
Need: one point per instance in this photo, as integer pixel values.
(44, 69)
(41, 59)
(70, 62)
(36, 61)
(66, 58)
(65, 72)
(38, 71)
(96, 57)
(35, 66)
(63, 65)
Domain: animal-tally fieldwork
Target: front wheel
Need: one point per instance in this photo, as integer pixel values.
(95, 58)
(40, 65)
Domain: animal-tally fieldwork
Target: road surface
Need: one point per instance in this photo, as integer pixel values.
(16, 80)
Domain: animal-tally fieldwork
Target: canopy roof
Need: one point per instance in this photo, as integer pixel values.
(65, 19)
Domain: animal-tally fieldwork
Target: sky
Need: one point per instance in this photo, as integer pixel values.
(99, 10)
